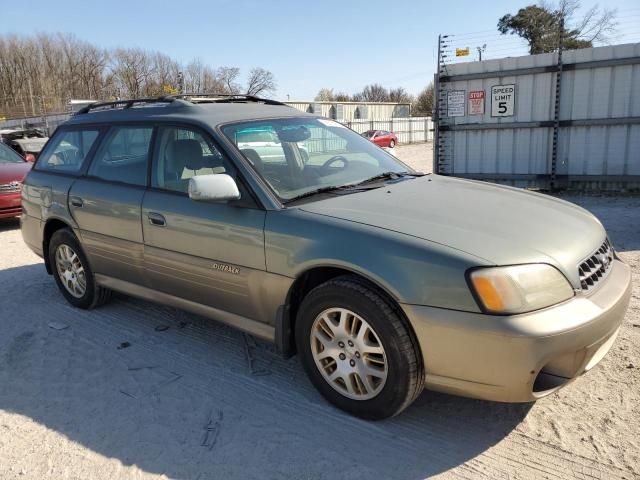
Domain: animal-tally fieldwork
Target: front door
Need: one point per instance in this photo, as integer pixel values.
(107, 203)
(209, 253)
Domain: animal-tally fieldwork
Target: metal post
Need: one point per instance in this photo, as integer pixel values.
(556, 111)
(33, 106)
(436, 111)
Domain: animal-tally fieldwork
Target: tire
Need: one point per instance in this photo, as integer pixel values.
(64, 241)
(392, 143)
(369, 397)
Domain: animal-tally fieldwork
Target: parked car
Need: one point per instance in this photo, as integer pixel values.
(26, 142)
(382, 279)
(382, 138)
(13, 169)
(267, 145)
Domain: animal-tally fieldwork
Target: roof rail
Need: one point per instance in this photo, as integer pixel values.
(223, 98)
(124, 104)
(189, 97)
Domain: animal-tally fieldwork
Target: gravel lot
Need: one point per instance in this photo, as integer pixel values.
(136, 390)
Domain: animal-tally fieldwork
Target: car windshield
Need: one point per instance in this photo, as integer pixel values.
(369, 133)
(311, 154)
(9, 156)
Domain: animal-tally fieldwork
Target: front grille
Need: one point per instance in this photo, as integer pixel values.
(10, 187)
(596, 267)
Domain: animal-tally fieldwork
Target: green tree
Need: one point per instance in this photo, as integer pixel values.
(540, 26)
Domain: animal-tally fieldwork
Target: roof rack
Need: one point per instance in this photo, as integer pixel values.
(189, 97)
(123, 104)
(223, 98)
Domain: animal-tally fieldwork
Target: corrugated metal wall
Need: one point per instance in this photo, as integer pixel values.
(598, 122)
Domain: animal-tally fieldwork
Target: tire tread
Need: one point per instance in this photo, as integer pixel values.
(406, 342)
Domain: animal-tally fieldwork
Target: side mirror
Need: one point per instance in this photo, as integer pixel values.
(213, 188)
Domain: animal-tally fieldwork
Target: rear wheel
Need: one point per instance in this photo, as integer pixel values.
(392, 143)
(357, 349)
(72, 272)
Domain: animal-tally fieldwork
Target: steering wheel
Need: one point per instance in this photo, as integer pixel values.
(336, 158)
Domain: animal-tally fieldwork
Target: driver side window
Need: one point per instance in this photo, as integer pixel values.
(184, 153)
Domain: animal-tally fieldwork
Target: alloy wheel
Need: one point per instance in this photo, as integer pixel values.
(71, 271)
(348, 353)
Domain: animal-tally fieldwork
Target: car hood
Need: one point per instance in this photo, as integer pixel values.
(11, 172)
(499, 225)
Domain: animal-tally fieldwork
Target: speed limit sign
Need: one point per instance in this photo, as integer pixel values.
(503, 99)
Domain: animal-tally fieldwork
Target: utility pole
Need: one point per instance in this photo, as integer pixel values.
(480, 50)
(180, 83)
(33, 106)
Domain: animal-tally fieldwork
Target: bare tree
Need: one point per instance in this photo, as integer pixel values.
(42, 73)
(260, 81)
(229, 76)
(325, 95)
(372, 93)
(399, 95)
(342, 97)
(423, 105)
(133, 70)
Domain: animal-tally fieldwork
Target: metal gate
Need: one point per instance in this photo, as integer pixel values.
(552, 121)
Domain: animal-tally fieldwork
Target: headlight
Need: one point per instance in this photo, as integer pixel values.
(519, 288)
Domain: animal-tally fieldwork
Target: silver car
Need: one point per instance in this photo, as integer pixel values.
(382, 279)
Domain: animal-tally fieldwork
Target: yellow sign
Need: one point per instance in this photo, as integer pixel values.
(462, 52)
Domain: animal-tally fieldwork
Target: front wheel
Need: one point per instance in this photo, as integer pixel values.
(392, 143)
(72, 272)
(357, 349)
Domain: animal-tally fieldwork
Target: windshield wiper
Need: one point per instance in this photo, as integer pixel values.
(331, 188)
(388, 176)
(358, 186)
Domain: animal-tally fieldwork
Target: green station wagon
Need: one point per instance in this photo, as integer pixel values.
(382, 279)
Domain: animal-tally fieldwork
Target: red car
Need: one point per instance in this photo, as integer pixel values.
(382, 138)
(13, 169)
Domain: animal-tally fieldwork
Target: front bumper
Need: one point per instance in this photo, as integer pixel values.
(520, 358)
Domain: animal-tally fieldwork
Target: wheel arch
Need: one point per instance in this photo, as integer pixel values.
(51, 226)
(307, 281)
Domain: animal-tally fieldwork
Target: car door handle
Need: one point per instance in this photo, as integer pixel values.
(156, 219)
(76, 202)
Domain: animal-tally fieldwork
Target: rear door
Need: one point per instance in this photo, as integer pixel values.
(209, 253)
(107, 203)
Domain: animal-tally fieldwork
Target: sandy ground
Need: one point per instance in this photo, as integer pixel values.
(417, 155)
(136, 390)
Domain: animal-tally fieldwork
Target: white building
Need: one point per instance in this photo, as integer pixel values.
(348, 111)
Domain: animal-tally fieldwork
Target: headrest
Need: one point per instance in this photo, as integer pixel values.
(252, 156)
(188, 151)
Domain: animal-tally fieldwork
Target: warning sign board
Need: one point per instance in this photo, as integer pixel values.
(476, 102)
(455, 103)
(503, 100)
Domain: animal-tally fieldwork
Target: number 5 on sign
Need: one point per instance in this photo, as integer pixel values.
(503, 99)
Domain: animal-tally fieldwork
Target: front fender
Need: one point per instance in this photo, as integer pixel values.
(410, 269)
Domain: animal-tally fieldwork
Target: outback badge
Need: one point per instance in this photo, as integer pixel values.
(222, 267)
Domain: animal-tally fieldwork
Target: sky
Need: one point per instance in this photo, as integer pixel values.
(308, 45)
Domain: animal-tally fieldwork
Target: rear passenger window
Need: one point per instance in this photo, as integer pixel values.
(184, 153)
(123, 156)
(67, 150)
